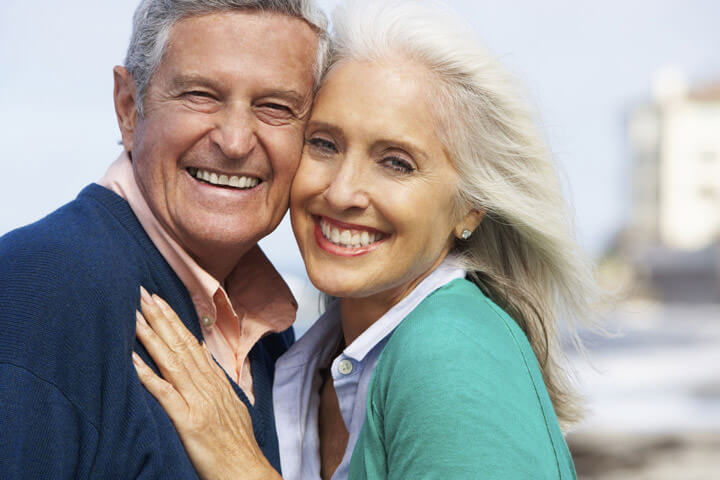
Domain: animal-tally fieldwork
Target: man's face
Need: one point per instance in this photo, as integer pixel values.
(221, 135)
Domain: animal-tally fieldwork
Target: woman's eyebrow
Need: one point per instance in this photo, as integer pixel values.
(328, 127)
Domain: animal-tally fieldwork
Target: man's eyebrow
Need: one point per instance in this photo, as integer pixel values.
(289, 95)
(184, 81)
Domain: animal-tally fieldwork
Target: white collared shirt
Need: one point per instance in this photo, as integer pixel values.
(296, 391)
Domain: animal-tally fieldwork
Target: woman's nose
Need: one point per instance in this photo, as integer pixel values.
(347, 187)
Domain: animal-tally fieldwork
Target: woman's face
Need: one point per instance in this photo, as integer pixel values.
(372, 201)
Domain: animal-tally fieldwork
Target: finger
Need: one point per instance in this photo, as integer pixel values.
(169, 327)
(169, 398)
(171, 365)
(186, 340)
(184, 348)
(177, 338)
(159, 322)
(213, 365)
(199, 367)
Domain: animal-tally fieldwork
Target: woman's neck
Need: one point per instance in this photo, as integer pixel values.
(358, 314)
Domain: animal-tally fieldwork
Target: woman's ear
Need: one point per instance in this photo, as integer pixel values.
(124, 95)
(467, 224)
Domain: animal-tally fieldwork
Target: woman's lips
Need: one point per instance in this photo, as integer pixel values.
(346, 239)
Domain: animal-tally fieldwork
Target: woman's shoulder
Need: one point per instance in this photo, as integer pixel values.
(459, 368)
(457, 339)
(459, 317)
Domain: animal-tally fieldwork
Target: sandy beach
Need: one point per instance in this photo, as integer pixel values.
(654, 396)
(627, 456)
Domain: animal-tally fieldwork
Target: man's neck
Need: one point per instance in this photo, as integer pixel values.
(221, 265)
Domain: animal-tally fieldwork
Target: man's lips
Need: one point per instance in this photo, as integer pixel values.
(242, 182)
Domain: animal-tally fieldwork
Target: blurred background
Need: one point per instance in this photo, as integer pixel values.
(629, 100)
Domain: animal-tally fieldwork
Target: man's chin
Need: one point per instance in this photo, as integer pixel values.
(214, 240)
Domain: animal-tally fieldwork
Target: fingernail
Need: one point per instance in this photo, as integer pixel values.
(161, 303)
(208, 355)
(145, 295)
(158, 301)
(140, 319)
(136, 358)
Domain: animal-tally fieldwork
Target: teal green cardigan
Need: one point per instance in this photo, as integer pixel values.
(457, 394)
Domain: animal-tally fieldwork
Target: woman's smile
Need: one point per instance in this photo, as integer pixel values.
(344, 239)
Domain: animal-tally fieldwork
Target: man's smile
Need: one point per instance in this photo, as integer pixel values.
(241, 182)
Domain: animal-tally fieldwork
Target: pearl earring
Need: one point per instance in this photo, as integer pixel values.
(466, 234)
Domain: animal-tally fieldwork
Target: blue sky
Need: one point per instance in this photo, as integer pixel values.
(583, 63)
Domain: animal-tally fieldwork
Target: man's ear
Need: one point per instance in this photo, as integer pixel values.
(124, 96)
(467, 224)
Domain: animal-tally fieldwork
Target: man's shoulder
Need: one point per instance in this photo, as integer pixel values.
(69, 286)
(91, 241)
(72, 266)
(82, 228)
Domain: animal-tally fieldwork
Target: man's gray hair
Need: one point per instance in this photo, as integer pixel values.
(154, 19)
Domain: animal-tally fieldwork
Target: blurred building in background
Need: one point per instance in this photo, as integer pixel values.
(670, 249)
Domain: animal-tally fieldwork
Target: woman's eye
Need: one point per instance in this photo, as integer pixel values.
(398, 164)
(322, 144)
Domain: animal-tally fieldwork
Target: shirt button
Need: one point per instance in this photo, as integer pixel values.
(207, 321)
(345, 367)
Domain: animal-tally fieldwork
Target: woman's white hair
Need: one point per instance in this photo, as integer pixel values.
(153, 20)
(523, 255)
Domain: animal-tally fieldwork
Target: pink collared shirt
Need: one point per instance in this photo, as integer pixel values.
(254, 300)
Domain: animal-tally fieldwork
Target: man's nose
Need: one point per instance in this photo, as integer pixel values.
(347, 186)
(235, 132)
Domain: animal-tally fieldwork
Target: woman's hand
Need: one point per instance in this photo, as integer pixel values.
(214, 425)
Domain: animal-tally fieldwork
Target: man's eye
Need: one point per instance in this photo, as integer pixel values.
(398, 164)
(276, 110)
(274, 113)
(277, 106)
(322, 144)
(199, 94)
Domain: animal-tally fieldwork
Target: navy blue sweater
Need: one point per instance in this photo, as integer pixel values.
(71, 405)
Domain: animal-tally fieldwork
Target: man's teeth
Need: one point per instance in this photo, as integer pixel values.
(224, 180)
(348, 238)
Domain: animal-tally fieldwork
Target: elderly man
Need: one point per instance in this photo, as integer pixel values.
(211, 105)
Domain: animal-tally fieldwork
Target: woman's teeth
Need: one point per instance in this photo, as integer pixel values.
(224, 180)
(349, 238)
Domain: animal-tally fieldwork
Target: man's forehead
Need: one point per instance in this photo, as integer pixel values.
(244, 27)
(274, 46)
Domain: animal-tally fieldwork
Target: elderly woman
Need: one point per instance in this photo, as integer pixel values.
(427, 205)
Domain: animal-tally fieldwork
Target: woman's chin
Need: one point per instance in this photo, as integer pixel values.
(340, 286)
(334, 290)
